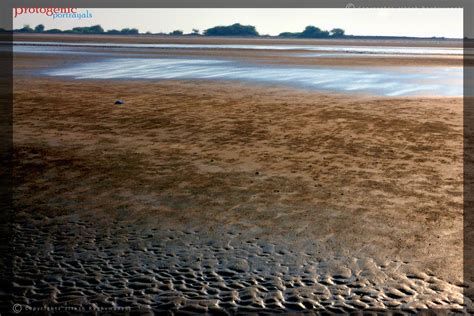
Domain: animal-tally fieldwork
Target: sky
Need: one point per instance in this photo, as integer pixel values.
(421, 22)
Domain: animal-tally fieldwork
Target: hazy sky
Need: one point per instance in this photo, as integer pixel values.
(403, 22)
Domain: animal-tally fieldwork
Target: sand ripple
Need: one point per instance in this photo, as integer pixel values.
(68, 261)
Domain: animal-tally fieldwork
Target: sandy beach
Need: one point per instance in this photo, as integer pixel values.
(224, 196)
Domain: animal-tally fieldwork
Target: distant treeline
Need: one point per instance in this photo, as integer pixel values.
(315, 32)
(236, 29)
(232, 30)
(95, 29)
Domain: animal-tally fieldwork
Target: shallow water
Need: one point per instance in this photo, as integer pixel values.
(324, 48)
(402, 81)
(32, 49)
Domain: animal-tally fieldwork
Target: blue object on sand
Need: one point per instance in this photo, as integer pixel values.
(120, 102)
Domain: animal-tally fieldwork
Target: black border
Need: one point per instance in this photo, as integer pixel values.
(6, 146)
(6, 102)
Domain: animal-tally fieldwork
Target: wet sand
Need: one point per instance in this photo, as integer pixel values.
(293, 57)
(222, 196)
(228, 40)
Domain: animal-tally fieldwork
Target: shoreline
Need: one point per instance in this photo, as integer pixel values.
(241, 40)
(263, 56)
(393, 78)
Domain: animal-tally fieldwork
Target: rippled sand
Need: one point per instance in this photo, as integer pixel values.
(69, 261)
(196, 196)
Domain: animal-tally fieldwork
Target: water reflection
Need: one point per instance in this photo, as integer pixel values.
(400, 81)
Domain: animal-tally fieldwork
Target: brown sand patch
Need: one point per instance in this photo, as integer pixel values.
(378, 176)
